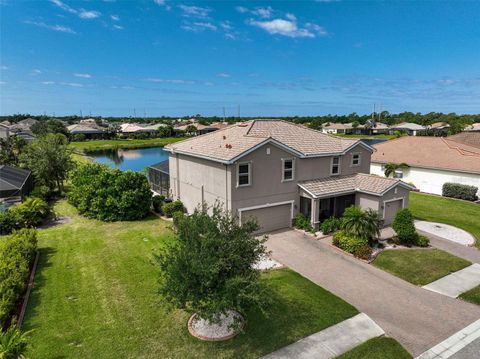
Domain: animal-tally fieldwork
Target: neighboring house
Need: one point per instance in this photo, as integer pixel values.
(411, 128)
(88, 122)
(336, 128)
(155, 127)
(272, 170)
(89, 131)
(380, 128)
(14, 182)
(23, 125)
(474, 127)
(4, 131)
(134, 128)
(467, 138)
(432, 161)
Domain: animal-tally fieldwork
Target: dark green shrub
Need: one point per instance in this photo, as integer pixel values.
(16, 254)
(177, 217)
(31, 212)
(79, 137)
(361, 223)
(330, 225)
(170, 208)
(302, 222)
(422, 241)
(109, 194)
(405, 228)
(42, 192)
(157, 202)
(350, 243)
(9, 221)
(460, 191)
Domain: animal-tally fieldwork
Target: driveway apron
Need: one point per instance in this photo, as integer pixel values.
(417, 318)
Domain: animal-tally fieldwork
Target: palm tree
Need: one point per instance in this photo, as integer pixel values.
(391, 168)
(360, 223)
(13, 343)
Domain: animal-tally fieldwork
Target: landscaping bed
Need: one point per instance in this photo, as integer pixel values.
(473, 295)
(419, 266)
(377, 348)
(96, 296)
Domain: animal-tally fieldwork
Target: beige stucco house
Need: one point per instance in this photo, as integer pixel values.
(272, 170)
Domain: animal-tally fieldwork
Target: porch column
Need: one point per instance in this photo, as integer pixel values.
(314, 211)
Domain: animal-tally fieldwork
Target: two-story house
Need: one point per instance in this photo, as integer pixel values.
(272, 170)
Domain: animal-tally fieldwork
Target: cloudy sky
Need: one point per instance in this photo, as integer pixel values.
(165, 57)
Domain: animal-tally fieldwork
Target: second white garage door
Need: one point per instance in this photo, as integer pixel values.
(270, 218)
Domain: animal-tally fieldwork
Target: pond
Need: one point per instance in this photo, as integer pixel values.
(130, 159)
(372, 141)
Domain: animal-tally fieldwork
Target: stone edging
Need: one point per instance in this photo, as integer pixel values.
(208, 339)
(23, 309)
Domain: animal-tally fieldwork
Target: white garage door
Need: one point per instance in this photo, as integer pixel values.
(270, 218)
(391, 209)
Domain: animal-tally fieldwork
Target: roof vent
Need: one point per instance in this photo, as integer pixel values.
(227, 145)
(224, 137)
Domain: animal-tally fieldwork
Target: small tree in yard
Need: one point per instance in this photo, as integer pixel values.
(209, 270)
(360, 223)
(391, 168)
(404, 226)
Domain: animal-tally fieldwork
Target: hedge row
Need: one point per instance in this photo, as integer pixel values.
(460, 191)
(16, 254)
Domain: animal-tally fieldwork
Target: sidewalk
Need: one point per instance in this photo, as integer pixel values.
(457, 283)
(333, 341)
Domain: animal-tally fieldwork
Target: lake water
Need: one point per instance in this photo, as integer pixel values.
(135, 160)
(371, 141)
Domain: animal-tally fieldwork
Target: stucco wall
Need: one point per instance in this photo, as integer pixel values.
(193, 179)
(431, 180)
(367, 201)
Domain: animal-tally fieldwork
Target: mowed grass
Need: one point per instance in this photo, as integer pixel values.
(473, 295)
(461, 214)
(96, 296)
(419, 266)
(377, 348)
(112, 144)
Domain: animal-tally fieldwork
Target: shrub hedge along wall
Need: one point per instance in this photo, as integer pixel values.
(460, 191)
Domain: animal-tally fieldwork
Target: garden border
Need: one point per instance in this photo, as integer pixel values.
(26, 296)
(208, 339)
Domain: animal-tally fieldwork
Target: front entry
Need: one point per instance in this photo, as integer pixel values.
(342, 203)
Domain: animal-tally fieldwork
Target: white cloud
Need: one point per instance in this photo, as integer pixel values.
(36, 72)
(47, 82)
(223, 74)
(89, 14)
(115, 17)
(3, 83)
(290, 16)
(159, 2)
(195, 11)
(241, 9)
(226, 25)
(169, 81)
(84, 76)
(264, 12)
(289, 28)
(64, 7)
(71, 84)
(117, 27)
(58, 28)
(199, 26)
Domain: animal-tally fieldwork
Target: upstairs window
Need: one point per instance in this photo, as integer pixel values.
(243, 174)
(356, 159)
(335, 170)
(288, 171)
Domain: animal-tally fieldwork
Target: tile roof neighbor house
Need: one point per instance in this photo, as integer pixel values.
(432, 161)
(473, 127)
(272, 170)
(411, 128)
(134, 128)
(88, 130)
(334, 128)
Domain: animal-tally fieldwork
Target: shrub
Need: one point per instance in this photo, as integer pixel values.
(460, 191)
(42, 192)
(330, 225)
(16, 254)
(31, 212)
(9, 221)
(79, 137)
(170, 208)
(302, 222)
(361, 223)
(422, 241)
(177, 217)
(363, 252)
(13, 343)
(157, 202)
(110, 194)
(405, 228)
(351, 244)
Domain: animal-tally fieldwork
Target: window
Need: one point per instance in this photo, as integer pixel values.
(356, 159)
(335, 170)
(243, 174)
(398, 174)
(287, 169)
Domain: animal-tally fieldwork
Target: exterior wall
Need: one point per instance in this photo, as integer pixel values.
(367, 201)
(4, 133)
(194, 180)
(432, 180)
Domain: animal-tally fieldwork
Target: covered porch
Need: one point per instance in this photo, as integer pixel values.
(320, 209)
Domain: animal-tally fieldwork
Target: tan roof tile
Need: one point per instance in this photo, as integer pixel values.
(230, 142)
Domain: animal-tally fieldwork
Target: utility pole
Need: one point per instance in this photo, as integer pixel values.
(134, 113)
(238, 112)
(223, 113)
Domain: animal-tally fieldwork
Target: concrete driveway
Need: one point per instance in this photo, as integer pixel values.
(417, 318)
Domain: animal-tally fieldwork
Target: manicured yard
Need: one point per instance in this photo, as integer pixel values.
(96, 296)
(462, 214)
(473, 295)
(377, 348)
(111, 144)
(419, 266)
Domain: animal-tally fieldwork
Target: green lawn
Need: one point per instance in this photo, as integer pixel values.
(96, 296)
(473, 295)
(111, 144)
(462, 214)
(377, 348)
(419, 266)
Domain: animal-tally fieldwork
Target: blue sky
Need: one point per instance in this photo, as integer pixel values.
(274, 58)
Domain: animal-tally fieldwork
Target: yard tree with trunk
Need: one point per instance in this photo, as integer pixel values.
(209, 269)
(49, 159)
(391, 168)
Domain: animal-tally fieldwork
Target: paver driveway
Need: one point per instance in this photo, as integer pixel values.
(417, 318)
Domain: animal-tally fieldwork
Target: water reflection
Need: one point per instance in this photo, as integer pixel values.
(134, 159)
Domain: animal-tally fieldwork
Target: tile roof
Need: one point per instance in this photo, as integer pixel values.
(358, 182)
(81, 128)
(466, 138)
(408, 126)
(429, 152)
(230, 142)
